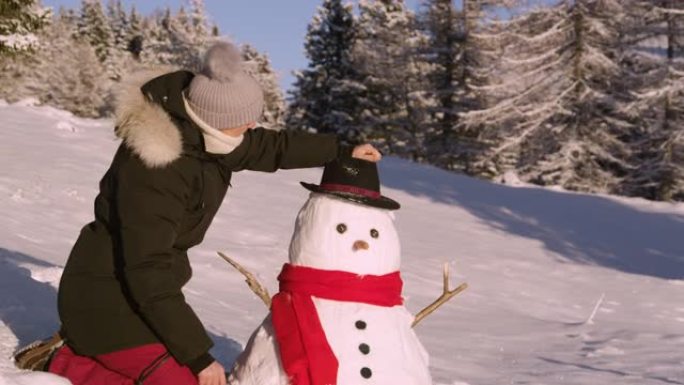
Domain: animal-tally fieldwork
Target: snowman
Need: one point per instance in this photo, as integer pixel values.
(339, 316)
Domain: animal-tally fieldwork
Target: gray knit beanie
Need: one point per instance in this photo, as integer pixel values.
(223, 95)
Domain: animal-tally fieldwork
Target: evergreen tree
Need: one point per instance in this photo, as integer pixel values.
(481, 45)
(589, 154)
(20, 20)
(156, 36)
(386, 57)
(655, 64)
(118, 25)
(556, 106)
(259, 66)
(440, 21)
(190, 36)
(177, 40)
(182, 52)
(120, 58)
(88, 49)
(326, 94)
(65, 73)
(70, 75)
(135, 36)
(94, 29)
(199, 23)
(18, 67)
(182, 20)
(462, 49)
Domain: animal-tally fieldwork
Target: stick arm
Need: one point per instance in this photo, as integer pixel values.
(250, 279)
(444, 298)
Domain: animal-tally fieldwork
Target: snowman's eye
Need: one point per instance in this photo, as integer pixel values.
(341, 228)
(374, 233)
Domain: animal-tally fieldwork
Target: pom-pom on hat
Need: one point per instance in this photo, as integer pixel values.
(223, 95)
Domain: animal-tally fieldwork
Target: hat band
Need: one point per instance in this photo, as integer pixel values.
(350, 189)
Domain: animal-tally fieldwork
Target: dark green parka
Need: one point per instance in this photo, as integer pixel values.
(121, 286)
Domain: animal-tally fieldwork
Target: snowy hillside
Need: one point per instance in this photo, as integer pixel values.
(537, 262)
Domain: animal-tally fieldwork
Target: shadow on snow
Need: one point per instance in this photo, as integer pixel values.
(29, 307)
(581, 228)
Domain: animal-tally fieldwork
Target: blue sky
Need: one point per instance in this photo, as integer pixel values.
(276, 27)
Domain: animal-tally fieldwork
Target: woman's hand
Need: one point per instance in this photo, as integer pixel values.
(366, 152)
(213, 374)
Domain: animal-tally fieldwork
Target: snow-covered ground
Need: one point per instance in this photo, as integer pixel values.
(537, 261)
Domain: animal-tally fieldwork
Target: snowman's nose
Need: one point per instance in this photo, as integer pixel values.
(360, 245)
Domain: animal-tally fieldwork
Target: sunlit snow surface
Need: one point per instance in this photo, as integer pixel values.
(537, 262)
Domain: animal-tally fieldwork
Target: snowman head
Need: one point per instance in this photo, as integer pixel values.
(337, 234)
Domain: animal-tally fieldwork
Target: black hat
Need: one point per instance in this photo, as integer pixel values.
(355, 180)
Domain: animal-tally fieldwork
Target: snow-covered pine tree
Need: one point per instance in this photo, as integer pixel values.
(326, 94)
(20, 20)
(120, 59)
(65, 72)
(156, 39)
(72, 75)
(182, 19)
(85, 51)
(259, 66)
(118, 24)
(183, 53)
(135, 37)
(655, 61)
(203, 33)
(94, 28)
(190, 35)
(462, 49)
(169, 40)
(21, 24)
(439, 19)
(386, 57)
(199, 22)
(591, 155)
(556, 105)
(480, 49)
(523, 49)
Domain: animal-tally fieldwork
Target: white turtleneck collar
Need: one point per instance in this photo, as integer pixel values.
(215, 141)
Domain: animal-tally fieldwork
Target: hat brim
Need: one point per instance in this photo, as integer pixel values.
(382, 202)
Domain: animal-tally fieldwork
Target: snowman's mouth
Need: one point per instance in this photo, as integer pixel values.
(360, 245)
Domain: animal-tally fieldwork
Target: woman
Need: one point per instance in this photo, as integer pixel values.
(124, 317)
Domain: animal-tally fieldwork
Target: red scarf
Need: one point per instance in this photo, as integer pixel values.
(304, 351)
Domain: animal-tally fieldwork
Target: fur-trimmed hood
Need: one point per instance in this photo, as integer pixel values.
(143, 106)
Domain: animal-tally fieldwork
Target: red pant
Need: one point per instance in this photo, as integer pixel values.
(122, 367)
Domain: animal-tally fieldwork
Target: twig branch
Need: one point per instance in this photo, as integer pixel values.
(251, 280)
(446, 296)
(590, 320)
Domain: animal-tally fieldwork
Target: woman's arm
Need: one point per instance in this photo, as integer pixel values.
(268, 150)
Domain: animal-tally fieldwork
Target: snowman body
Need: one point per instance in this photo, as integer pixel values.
(372, 344)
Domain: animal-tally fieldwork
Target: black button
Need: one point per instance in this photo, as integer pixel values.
(364, 348)
(366, 373)
(360, 325)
